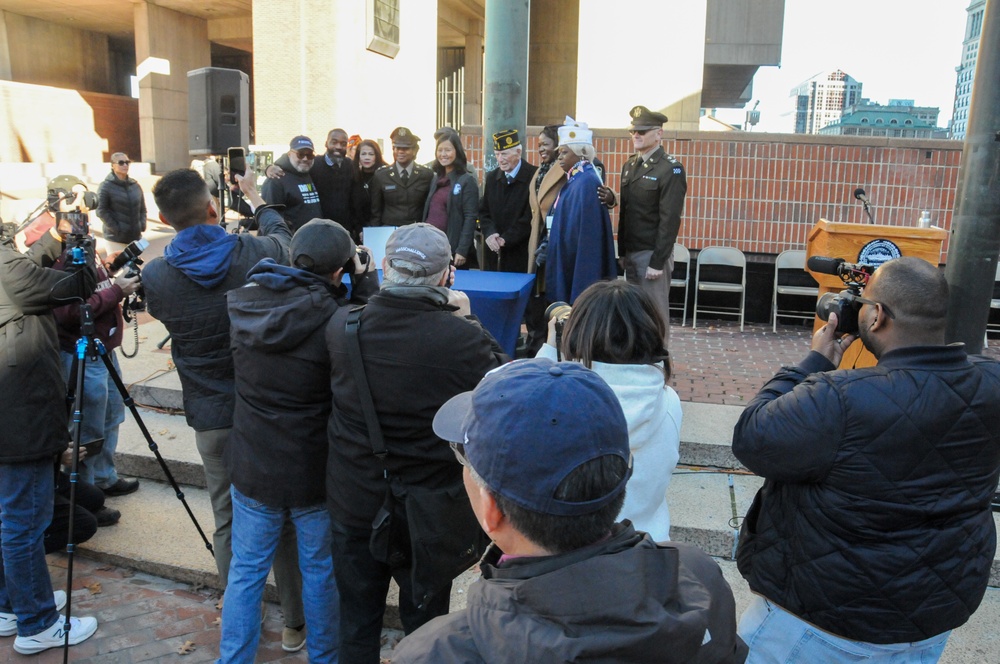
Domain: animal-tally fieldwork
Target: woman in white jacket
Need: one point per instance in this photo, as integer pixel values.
(615, 330)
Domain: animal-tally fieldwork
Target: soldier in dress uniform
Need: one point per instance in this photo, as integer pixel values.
(653, 187)
(399, 190)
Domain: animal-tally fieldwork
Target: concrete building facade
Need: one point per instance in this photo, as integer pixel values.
(365, 65)
(966, 71)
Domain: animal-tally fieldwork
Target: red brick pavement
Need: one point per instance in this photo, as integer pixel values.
(717, 363)
(143, 618)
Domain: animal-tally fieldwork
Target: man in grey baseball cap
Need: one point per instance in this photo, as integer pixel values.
(419, 346)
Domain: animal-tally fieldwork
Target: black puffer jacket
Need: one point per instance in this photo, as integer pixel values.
(874, 522)
(626, 599)
(277, 451)
(32, 388)
(122, 208)
(198, 322)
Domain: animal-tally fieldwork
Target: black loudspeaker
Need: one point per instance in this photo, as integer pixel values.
(218, 110)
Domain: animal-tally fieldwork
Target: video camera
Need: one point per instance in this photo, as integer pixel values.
(129, 260)
(69, 200)
(855, 276)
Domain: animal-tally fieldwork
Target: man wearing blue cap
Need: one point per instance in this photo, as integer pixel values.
(545, 452)
(295, 189)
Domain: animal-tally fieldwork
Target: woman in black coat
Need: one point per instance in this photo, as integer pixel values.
(453, 200)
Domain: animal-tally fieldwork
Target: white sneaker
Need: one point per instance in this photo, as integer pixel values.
(8, 621)
(80, 630)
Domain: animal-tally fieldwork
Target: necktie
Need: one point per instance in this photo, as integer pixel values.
(405, 176)
(510, 178)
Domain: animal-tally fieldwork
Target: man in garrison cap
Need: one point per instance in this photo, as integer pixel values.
(505, 212)
(653, 187)
(400, 189)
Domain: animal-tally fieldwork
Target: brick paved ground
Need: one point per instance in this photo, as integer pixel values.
(717, 363)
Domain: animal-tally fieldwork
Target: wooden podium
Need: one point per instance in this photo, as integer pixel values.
(869, 244)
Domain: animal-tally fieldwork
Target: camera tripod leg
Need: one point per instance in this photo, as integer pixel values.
(153, 447)
(75, 392)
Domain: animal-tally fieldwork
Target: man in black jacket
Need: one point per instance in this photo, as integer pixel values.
(420, 346)
(277, 451)
(334, 176)
(295, 189)
(872, 533)
(546, 456)
(505, 211)
(186, 290)
(33, 394)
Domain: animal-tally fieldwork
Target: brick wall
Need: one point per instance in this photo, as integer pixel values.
(763, 192)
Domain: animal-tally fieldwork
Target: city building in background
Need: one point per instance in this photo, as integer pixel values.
(821, 99)
(967, 70)
(899, 119)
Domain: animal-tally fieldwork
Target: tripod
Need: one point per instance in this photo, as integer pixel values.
(88, 347)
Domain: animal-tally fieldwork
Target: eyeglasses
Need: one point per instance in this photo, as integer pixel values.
(307, 156)
(459, 450)
(639, 132)
(124, 162)
(865, 300)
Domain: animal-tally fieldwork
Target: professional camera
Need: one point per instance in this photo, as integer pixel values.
(129, 259)
(559, 312)
(69, 200)
(845, 304)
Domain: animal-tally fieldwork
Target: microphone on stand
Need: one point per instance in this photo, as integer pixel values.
(859, 194)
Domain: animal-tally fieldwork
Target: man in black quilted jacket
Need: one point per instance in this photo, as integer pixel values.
(872, 535)
(186, 290)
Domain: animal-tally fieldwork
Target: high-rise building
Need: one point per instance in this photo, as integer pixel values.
(967, 70)
(821, 99)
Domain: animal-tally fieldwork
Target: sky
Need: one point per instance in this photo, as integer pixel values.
(898, 49)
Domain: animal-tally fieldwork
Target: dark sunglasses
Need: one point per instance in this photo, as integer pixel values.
(306, 155)
(639, 132)
(124, 162)
(864, 300)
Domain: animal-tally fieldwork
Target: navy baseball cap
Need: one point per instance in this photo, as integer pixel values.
(531, 423)
(301, 143)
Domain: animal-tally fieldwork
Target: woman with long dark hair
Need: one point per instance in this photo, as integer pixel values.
(453, 200)
(616, 331)
(367, 159)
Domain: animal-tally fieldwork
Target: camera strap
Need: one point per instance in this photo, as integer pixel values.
(356, 361)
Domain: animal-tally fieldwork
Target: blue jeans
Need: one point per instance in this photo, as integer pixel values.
(776, 636)
(27, 491)
(103, 411)
(255, 534)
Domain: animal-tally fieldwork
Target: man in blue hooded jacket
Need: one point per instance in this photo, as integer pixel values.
(186, 290)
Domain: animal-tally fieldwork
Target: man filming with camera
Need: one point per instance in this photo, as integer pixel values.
(32, 391)
(102, 405)
(872, 536)
(186, 290)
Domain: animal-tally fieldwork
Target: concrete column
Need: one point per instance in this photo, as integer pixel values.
(5, 71)
(616, 54)
(552, 75)
(505, 95)
(313, 72)
(168, 44)
(473, 112)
